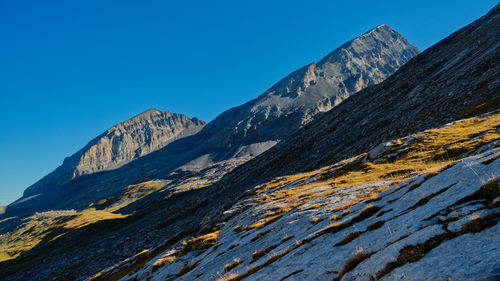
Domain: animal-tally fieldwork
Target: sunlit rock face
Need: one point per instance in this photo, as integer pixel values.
(317, 87)
(122, 143)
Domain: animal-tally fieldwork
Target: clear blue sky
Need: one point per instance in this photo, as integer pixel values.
(71, 69)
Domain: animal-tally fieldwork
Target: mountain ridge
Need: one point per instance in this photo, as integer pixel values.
(122, 143)
(260, 229)
(242, 132)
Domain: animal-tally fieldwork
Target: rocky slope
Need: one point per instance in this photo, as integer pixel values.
(396, 217)
(234, 137)
(356, 166)
(119, 145)
(317, 87)
(456, 78)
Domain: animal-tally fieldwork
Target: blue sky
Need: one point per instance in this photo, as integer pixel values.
(71, 69)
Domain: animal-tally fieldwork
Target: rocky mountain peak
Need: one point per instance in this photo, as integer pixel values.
(124, 142)
(131, 139)
(316, 87)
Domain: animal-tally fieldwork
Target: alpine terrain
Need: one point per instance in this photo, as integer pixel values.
(375, 163)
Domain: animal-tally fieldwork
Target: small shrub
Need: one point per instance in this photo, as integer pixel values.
(346, 212)
(314, 220)
(491, 188)
(335, 217)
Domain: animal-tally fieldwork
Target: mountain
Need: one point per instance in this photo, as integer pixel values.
(315, 88)
(391, 181)
(456, 78)
(341, 223)
(234, 137)
(119, 145)
(389, 185)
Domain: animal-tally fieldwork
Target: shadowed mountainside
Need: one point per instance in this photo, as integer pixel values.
(233, 138)
(264, 204)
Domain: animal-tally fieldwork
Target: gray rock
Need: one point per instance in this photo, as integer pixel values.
(380, 149)
(122, 143)
(233, 138)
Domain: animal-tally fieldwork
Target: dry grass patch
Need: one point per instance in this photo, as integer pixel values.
(90, 216)
(359, 256)
(52, 224)
(162, 262)
(201, 242)
(490, 189)
(230, 266)
(314, 220)
(335, 217)
(286, 238)
(257, 254)
(230, 277)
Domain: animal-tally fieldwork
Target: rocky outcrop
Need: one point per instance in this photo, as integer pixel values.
(136, 137)
(317, 87)
(124, 142)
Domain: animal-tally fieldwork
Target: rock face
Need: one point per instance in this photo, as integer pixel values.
(456, 78)
(124, 142)
(136, 137)
(317, 87)
(233, 138)
(377, 230)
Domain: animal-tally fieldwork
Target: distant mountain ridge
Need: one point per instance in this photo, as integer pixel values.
(122, 143)
(232, 138)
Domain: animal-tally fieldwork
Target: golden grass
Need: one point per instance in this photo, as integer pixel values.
(90, 216)
(201, 242)
(286, 238)
(257, 254)
(359, 256)
(230, 266)
(429, 152)
(335, 217)
(490, 189)
(36, 228)
(230, 277)
(162, 262)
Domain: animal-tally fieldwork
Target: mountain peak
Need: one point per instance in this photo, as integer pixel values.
(380, 41)
(148, 113)
(122, 143)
